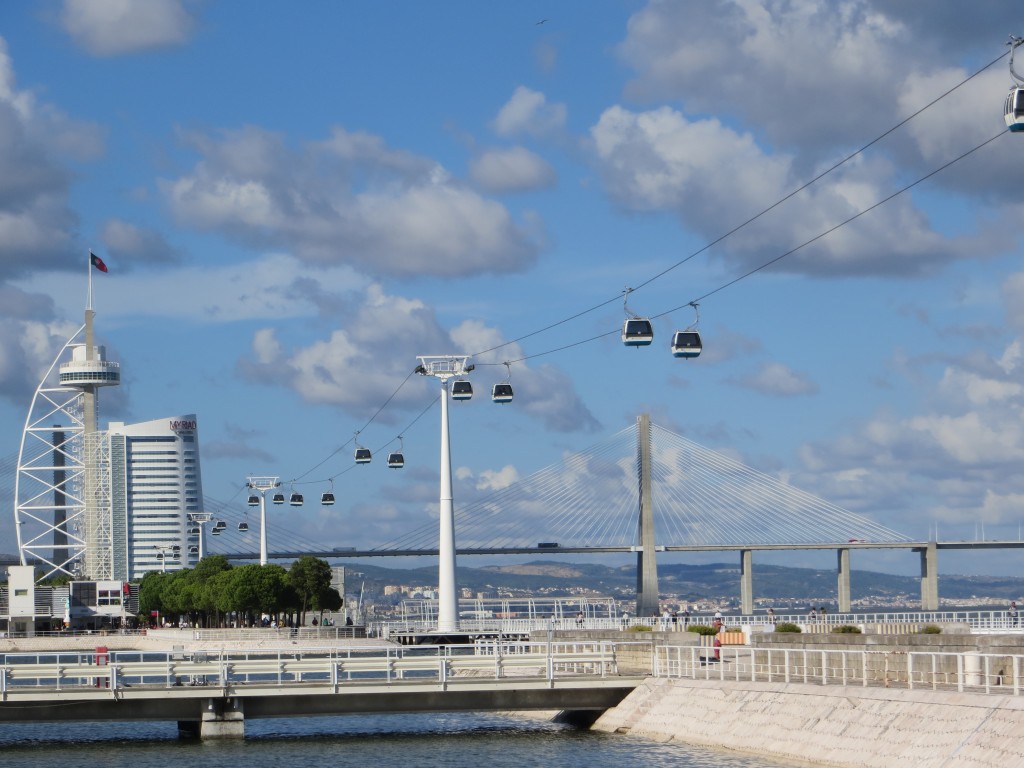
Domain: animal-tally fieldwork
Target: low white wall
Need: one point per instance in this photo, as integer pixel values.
(829, 726)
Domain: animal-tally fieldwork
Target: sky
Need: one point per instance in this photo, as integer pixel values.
(296, 200)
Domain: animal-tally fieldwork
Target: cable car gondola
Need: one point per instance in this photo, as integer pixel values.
(636, 331)
(220, 525)
(501, 393)
(254, 500)
(216, 531)
(461, 390)
(396, 460)
(686, 344)
(296, 499)
(278, 498)
(193, 531)
(1013, 108)
(327, 498)
(363, 456)
(243, 526)
(193, 550)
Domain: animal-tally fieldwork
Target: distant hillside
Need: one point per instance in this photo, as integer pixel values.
(689, 582)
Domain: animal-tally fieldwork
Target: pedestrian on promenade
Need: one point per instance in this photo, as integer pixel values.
(686, 618)
(1012, 612)
(771, 616)
(717, 642)
(813, 614)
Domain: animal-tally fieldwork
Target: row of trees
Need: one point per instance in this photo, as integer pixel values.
(215, 588)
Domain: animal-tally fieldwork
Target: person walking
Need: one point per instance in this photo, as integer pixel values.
(1012, 613)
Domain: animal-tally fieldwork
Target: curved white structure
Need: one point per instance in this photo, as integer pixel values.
(59, 495)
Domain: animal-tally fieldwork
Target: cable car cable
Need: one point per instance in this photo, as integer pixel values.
(778, 258)
(701, 250)
(755, 217)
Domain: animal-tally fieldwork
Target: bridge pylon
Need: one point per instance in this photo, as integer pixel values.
(646, 565)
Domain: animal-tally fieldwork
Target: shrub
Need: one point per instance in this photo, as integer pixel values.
(846, 629)
(702, 629)
(639, 628)
(930, 629)
(786, 626)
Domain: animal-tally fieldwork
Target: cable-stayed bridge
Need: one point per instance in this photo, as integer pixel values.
(698, 498)
(648, 490)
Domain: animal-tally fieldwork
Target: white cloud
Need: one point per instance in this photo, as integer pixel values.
(779, 380)
(135, 244)
(953, 461)
(713, 178)
(274, 286)
(346, 368)
(36, 224)
(112, 27)
(348, 200)
(496, 480)
(515, 169)
(528, 112)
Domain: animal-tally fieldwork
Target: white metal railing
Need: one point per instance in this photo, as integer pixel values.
(974, 672)
(28, 673)
(979, 622)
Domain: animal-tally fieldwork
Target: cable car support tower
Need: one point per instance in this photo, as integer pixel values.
(445, 367)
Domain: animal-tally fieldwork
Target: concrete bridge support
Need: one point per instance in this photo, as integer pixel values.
(929, 577)
(222, 719)
(646, 566)
(843, 589)
(747, 581)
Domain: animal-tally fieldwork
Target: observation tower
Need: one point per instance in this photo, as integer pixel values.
(62, 492)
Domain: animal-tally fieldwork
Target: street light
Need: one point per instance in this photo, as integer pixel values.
(261, 485)
(445, 367)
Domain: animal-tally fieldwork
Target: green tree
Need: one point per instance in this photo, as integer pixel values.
(205, 588)
(255, 589)
(151, 591)
(310, 577)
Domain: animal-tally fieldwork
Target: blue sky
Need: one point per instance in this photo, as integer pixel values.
(297, 200)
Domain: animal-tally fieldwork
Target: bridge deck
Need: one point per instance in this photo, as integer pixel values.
(132, 685)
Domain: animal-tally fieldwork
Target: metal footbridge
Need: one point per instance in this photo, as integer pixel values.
(211, 694)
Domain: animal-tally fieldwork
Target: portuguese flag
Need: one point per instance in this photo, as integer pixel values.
(97, 262)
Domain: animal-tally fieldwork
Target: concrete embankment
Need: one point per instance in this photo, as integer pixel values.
(828, 726)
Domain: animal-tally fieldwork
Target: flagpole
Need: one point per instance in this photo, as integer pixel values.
(88, 268)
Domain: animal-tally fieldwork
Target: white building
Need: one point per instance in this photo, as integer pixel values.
(155, 485)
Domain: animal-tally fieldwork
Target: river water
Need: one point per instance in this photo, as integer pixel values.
(417, 741)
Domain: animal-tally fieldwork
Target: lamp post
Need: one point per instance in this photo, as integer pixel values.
(261, 485)
(445, 367)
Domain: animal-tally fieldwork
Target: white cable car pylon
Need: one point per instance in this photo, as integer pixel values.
(687, 343)
(1013, 109)
(636, 331)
